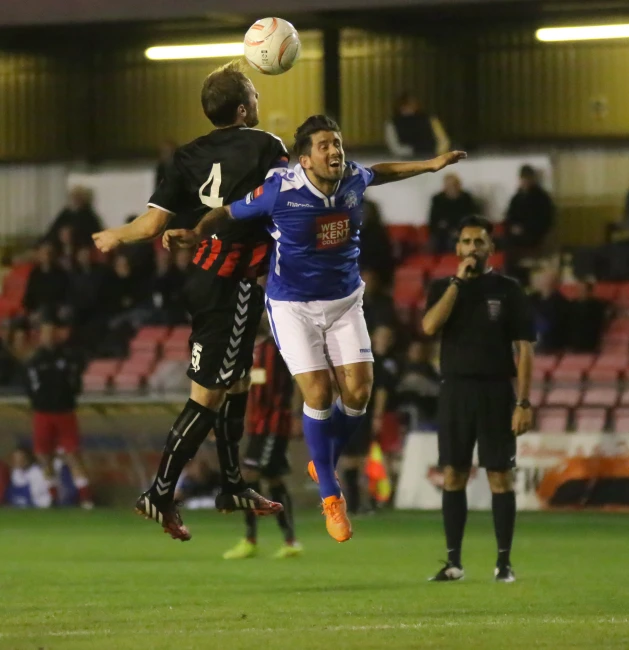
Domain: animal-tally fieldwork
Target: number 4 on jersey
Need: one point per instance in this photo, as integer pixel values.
(214, 181)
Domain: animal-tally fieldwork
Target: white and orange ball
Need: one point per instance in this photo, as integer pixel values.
(272, 45)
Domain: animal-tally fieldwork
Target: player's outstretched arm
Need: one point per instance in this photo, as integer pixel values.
(209, 224)
(398, 171)
(147, 226)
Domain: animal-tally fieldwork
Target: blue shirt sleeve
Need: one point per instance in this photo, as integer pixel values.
(366, 173)
(258, 203)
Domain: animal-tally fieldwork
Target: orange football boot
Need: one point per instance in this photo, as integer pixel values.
(312, 472)
(336, 521)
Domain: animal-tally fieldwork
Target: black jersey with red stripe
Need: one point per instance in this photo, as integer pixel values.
(214, 170)
(269, 409)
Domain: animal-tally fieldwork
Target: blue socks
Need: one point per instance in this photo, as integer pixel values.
(318, 435)
(345, 422)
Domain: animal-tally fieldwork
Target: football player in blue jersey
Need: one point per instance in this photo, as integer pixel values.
(314, 291)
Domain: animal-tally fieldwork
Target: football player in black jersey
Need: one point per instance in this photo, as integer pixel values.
(222, 294)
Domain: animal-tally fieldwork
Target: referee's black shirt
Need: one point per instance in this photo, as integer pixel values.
(491, 311)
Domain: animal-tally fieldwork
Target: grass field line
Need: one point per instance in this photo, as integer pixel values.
(433, 624)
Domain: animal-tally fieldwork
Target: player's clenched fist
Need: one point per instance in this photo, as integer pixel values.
(106, 240)
(180, 238)
(450, 158)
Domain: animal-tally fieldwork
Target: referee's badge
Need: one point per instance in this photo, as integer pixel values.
(494, 307)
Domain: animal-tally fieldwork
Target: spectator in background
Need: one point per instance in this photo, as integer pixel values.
(551, 312)
(376, 252)
(418, 389)
(198, 484)
(127, 293)
(141, 256)
(167, 287)
(28, 487)
(166, 152)
(66, 248)
(529, 218)
(47, 287)
(53, 382)
(587, 318)
(413, 131)
(447, 209)
(79, 217)
(377, 302)
(87, 296)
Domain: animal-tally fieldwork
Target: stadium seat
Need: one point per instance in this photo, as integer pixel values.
(563, 397)
(569, 291)
(149, 338)
(425, 263)
(567, 375)
(180, 333)
(408, 286)
(616, 361)
(103, 367)
(96, 383)
(590, 420)
(552, 420)
(607, 291)
(9, 307)
(536, 397)
(581, 361)
(622, 298)
(446, 266)
(539, 375)
(624, 398)
(620, 420)
(600, 397)
(128, 381)
(405, 240)
(546, 361)
(603, 375)
(177, 353)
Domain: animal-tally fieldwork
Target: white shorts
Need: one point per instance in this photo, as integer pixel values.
(322, 333)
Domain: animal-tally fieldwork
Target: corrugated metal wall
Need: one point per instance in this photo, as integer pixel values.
(38, 97)
(375, 68)
(30, 197)
(139, 102)
(532, 90)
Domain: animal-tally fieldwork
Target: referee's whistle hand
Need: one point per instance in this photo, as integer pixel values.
(522, 420)
(468, 264)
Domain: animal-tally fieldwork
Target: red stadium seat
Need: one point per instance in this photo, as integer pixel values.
(581, 361)
(563, 397)
(619, 325)
(567, 375)
(180, 333)
(546, 361)
(539, 375)
(128, 382)
(95, 383)
(622, 299)
(103, 367)
(590, 420)
(446, 266)
(569, 291)
(624, 398)
(606, 291)
(149, 338)
(425, 263)
(405, 239)
(408, 287)
(9, 307)
(620, 420)
(616, 361)
(552, 420)
(536, 397)
(600, 397)
(603, 375)
(177, 353)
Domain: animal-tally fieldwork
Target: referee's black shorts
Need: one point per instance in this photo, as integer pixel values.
(475, 409)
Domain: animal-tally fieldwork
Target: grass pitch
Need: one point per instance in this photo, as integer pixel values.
(109, 580)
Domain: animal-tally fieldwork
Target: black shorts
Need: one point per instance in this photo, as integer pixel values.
(472, 410)
(225, 314)
(267, 453)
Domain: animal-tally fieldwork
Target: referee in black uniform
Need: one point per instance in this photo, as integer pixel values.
(483, 317)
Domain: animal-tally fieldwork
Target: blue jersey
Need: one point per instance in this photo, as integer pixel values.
(315, 256)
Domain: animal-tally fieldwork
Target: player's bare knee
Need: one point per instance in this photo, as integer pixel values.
(316, 389)
(241, 386)
(357, 397)
(455, 479)
(500, 482)
(210, 398)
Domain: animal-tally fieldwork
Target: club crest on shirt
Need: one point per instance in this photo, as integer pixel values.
(350, 200)
(332, 231)
(494, 307)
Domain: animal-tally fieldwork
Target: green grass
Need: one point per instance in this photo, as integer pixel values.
(108, 580)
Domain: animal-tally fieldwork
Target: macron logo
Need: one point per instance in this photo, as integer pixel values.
(290, 204)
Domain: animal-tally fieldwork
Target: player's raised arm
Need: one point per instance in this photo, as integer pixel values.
(147, 226)
(398, 171)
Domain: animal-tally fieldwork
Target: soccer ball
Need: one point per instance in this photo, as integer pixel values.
(272, 45)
